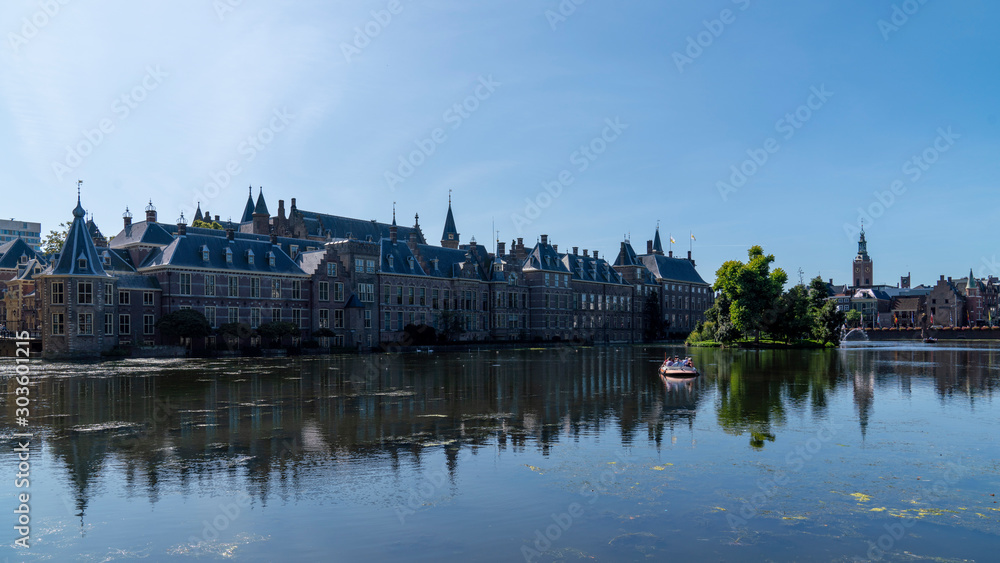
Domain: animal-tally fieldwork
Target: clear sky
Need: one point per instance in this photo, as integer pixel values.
(629, 112)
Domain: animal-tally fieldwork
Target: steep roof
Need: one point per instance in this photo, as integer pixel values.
(248, 208)
(186, 252)
(544, 257)
(451, 262)
(396, 258)
(260, 207)
(28, 272)
(626, 256)
(320, 224)
(79, 256)
(137, 281)
(588, 268)
(657, 245)
(310, 260)
(449, 225)
(673, 269)
(12, 251)
(144, 232)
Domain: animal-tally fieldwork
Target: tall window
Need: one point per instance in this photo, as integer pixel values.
(58, 323)
(234, 315)
(338, 318)
(297, 289)
(368, 318)
(234, 286)
(423, 296)
(185, 280)
(124, 325)
(147, 298)
(255, 317)
(297, 317)
(275, 315)
(109, 323)
(275, 289)
(109, 293)
(399, 295)
(359, 265)
(147, 324)
(85, 294)
(124, 298)
(210, 316)
(254, 288)
(86, 323)
(58, 297)
(387, 292)
(324, 291)
(370, 266)
(338, 291)
(324, 318)
(434, 298)
(209, 284)
(367, 291)
(409, 296)
(331, 269)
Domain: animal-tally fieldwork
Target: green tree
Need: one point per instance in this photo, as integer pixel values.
(818, 293)
(853, 318)
(451, 325)
(274, 331)
(206, 225)
(185, 323)
(751, 289)
(791, 318)
(54, 241)
(829, 319)
(654, 325)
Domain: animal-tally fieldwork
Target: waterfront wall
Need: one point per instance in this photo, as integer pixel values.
(878, 334)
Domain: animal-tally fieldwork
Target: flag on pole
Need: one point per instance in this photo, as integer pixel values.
(672, 241)
(692, 237)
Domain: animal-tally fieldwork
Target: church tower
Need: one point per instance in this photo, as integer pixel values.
(449, 238)
(862, 264)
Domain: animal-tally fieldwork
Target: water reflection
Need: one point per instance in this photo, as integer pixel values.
(168, 426)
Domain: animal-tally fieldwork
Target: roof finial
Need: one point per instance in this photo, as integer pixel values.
(449, 197)
(79, 184)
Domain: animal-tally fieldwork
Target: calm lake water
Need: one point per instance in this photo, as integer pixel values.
(569, 454)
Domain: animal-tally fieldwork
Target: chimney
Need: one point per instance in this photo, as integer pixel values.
(392, 234)
(230, 232)
(501, 248)
(519, 251)
(412, 243)
(281, 209)
(150, 212)
(586, 252)
(831, 281)
(545, 239)
(595, 255)
(217, 218)
(689, 255)
(949, 279)
(649, 247)
(127, 218)
(555, 248)
(181, 226)
(670, 254)
(293, 204)
(274, 238)
(576, 250)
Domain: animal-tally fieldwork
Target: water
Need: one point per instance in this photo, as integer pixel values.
(866, 452)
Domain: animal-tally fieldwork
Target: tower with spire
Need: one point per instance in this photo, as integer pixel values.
(449, 238)
(248, 209)
(260, 216)
(75, 289)
(862, 267)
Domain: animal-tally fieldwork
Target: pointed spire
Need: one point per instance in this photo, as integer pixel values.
(261, 207)
(248, 208)
(79, 212)
(657, 245)
(971, 283)
(449, 238)
(198, 216)
(394, 214)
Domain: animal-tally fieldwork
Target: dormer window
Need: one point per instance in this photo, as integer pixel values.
(204, 253)
(81, 263)
(294, 249)
(270, 259)
(229, 256)
(250, 257)
(106, 258)
(434, 263)
(409, 262)
(391, 260)
(23, 259)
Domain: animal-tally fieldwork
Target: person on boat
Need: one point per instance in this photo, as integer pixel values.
(688, 362)
(669, 362)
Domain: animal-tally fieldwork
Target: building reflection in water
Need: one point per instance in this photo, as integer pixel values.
(269, 422)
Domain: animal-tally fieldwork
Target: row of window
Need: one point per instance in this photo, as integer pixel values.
(85, 294)
(232, 286)
(366, 292)
(85, 324)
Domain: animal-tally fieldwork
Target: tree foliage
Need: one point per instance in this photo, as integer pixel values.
(206, 225)
(54, 241)
(751, 289)
(274, 331)
(185, 323)
(853, 318)
(829, 319)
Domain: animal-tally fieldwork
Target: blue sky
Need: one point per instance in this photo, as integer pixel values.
(335, 99)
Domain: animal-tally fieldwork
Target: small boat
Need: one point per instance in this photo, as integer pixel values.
(930, 340)
(677, 371)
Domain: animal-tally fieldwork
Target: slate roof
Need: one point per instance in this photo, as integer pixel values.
(319, 224)
(186, 252)
(78, 246)
(118, 260)
(402, 260)
(450, 261)
(261, 207)
(198, 216)
(138, 281)
(142, 232)
(248, 209)
(588, 268)
(93, 229)
(672, 269)
(449, 225)
(657, 245)
(29, 270)
(627, 256)
(544, 257)
(11, 252)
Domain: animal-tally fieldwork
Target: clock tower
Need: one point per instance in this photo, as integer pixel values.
(862, 264)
